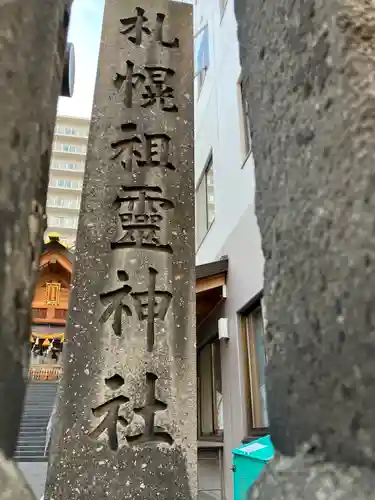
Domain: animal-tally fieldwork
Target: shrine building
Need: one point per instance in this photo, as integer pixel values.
(50, 309)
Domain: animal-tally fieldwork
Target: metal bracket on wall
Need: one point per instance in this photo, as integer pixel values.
(223, 330)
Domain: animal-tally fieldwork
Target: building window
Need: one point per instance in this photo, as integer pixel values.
(71, 131)
(72, 149)
(60, 313)
(39, 313)
(67, 130)
(202, 57)
(222, 5)
(66, 183)
(210, 394)
(70, 204)
(69, 148)
(245, 110)
(57, 202)
(205, 201)
(256, 360)
(67, 166)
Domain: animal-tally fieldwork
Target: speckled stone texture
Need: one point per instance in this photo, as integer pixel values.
(12, 482)
(310, 477)
(32, 44)
(310, 69)
(107, 356)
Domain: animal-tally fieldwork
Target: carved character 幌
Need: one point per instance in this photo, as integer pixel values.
(153, 84)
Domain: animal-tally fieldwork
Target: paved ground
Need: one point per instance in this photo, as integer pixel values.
(209, 481)
(35, 474)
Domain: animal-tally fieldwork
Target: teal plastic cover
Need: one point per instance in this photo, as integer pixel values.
(261, 449)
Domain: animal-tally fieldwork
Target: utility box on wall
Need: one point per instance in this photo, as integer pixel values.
(248, 462)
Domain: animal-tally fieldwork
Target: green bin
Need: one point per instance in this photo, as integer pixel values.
(248, 462)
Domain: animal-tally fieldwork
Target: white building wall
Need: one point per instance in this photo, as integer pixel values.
(234, 232)
(218, 127)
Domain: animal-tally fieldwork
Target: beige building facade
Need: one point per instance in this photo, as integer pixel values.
(66, 177)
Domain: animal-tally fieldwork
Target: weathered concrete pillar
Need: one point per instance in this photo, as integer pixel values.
(126, 421)
(310, 70)
(32, 45)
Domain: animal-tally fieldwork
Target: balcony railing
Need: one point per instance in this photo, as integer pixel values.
(70, 132)
(63, 225)
(55, 184)
(63, 207)
(68, 167)
(69, 149)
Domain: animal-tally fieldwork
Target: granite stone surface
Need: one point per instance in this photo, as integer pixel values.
(30, 80)
(126, 420)
(12, 483)
(308, 67)
(309, 476)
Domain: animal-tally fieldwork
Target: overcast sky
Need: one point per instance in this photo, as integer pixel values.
(84, 32)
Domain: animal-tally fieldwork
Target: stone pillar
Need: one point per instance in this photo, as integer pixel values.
(33, 37)
(126, 420)
(309, 67)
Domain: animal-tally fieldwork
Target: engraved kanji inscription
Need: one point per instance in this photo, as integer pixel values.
(110, 410)
(155, 149)
(141, 213)
(150, 305)
(125, 147)
(151, 433)
(138, 25)
(116, 303)
(159, 33)
(153, 84)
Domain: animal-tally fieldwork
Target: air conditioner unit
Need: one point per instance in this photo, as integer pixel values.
(223, 328)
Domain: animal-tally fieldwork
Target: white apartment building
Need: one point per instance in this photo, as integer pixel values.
(66, 177)
(230, 349)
